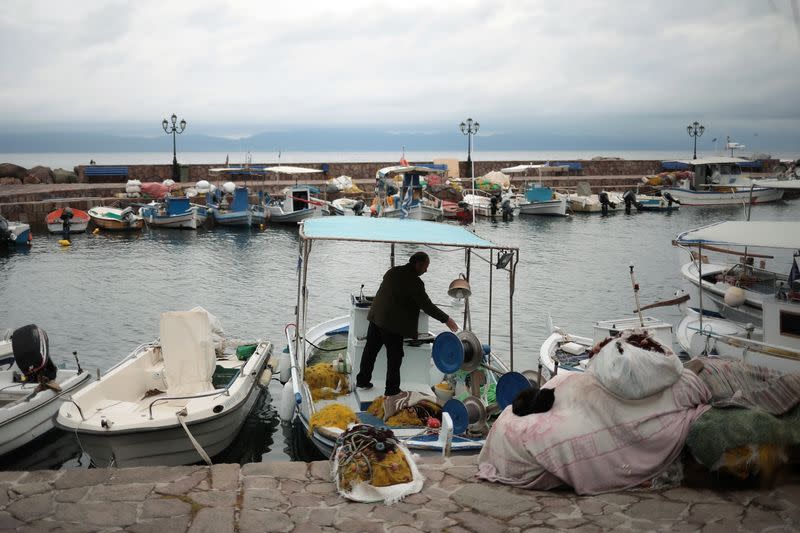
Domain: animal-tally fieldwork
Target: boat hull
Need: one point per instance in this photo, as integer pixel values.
(169, 446)
(22, 422)
(20, 234)
(78, 223)
(733, 197)
(276, 215)
(189, 220)
(417, 212)
(557, 208)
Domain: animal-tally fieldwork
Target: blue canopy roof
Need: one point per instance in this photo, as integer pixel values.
(392, 231)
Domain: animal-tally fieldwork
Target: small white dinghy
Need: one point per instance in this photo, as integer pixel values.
(31, 387)
(175, 401)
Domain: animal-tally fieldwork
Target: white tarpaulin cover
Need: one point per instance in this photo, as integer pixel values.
(766, 234)
(292, 170)
(188, 351)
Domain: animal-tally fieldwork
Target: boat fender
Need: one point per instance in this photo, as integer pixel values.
(64, 242)
(286, 408)
(96, 231)
(285, 366)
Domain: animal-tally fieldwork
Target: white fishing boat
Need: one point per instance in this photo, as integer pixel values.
(178, 400)
(31, 387)
(774, 340)
(740, 288)
(177, 213)
(334, 347)
(299, 202)
(720, 181)
(410, 199)
(583, 201)
(66, 218)
(539, 199)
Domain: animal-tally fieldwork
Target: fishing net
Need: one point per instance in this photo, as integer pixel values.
(335, 415)
(326, 382)
(369, 464)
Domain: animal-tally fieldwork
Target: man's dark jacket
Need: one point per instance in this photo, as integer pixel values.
(398, 301)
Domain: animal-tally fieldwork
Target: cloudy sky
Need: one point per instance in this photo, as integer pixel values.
(236, 68)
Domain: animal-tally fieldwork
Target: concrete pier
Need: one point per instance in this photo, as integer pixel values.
(300, 497)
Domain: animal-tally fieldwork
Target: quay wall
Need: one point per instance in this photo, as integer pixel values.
(366, 171)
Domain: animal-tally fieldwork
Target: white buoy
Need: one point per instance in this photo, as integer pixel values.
(229, 187)
(285, 367)
(734, 296)
(286, 408)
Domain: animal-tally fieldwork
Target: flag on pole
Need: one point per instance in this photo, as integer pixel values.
(226, 160)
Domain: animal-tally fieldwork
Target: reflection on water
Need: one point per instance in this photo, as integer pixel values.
(103, 295)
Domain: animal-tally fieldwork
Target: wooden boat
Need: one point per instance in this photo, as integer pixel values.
(238, 211)
(116, 219)
(428, 359)
(77, 223)
(298, 204)
(539, 199)
(178, 400)
(176, 213)
(27, 409)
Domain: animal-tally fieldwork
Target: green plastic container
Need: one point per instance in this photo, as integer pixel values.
(244, 352)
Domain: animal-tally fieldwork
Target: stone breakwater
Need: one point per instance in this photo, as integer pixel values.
(300, 497)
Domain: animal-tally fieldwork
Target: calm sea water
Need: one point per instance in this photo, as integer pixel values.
(103, 295)
(69, 160)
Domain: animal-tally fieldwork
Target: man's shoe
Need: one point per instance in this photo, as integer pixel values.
(364, 385)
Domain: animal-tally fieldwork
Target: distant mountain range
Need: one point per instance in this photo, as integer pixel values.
(340, 139)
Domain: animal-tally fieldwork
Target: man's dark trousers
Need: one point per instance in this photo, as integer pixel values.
(378, 337)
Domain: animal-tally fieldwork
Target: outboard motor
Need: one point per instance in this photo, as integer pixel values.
(508, 212)
(670, 199)
(604, 202)
(630, 199)
(66, 222)
(5, 232)
(32, 353)
(358, 208)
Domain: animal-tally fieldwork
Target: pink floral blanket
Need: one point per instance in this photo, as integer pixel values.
(590, 439)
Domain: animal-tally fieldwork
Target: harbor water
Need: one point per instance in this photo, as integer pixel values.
(103, 295)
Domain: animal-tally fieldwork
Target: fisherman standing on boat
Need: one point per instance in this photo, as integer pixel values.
(394, 315)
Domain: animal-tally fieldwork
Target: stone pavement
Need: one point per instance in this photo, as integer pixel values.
(299, 497)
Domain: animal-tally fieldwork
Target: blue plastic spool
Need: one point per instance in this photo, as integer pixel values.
(508, 387)
(447, 352)
(458, 412)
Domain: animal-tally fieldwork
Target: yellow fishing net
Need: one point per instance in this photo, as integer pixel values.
(326, 382)
(393, 469)
(376, 407)
(335, 415)
(763, 459)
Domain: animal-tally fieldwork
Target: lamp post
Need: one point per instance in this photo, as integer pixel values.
(695, 129)
(173, 129)
(470, 128)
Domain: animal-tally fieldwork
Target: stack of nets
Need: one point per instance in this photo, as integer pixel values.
(326, 382)
(366, 454)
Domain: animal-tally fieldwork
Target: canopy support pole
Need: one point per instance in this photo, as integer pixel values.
(700, 280)
(491, 268)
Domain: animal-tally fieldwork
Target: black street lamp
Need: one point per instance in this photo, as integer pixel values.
(470, 128)
(695, 129)
(173, 129)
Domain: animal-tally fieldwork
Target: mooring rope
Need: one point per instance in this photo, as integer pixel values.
(180, 414)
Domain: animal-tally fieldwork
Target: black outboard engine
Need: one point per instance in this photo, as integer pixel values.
(508, 211)
(630, 199)
(358, 208)
(32, 353)
(670, 199)
(604, 201)
(5, 233)
(66, 222)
